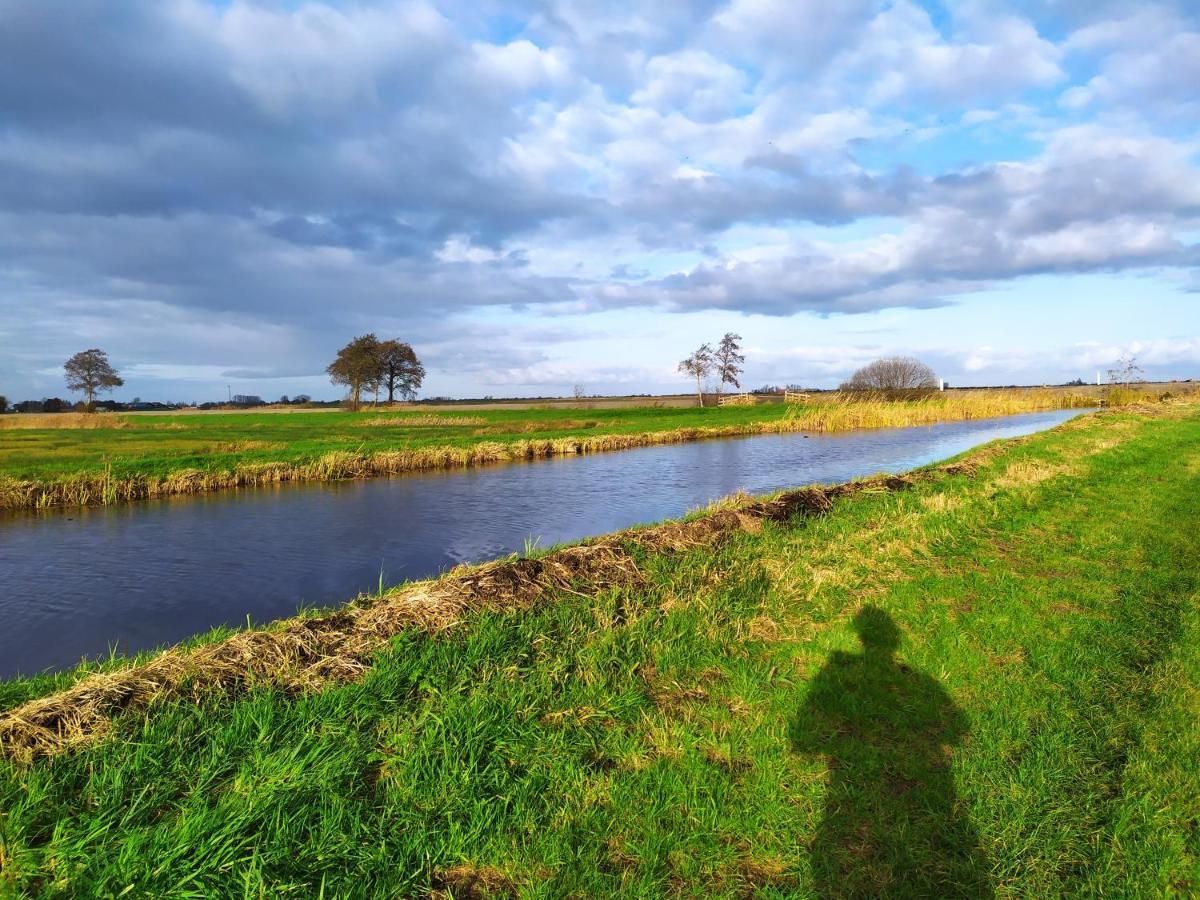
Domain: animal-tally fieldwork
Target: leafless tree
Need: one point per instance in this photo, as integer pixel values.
(728, 360)
(579, 391)
(893, 373)
(90, 371)
(1126, 371)
(697, 366)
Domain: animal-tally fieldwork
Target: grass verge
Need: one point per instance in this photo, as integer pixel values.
(981, 680)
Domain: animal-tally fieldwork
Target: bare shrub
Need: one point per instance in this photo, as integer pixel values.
(894, 376)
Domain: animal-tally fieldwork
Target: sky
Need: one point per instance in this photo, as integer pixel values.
(538, 195)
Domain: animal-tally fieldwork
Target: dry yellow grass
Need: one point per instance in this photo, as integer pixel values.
(239, 446)
(941, 502)
(63, 420)
(846, 412)
(422, 421)
(1019, 474)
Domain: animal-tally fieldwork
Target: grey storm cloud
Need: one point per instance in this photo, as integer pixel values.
(137, 110)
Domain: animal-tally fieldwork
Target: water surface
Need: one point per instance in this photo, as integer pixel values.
(74, 583)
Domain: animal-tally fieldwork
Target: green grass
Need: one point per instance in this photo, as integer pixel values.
(162, 444)
(724, 731)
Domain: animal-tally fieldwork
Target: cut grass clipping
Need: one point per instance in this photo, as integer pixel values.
(983, 683)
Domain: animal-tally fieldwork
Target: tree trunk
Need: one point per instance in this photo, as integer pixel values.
(699, 393)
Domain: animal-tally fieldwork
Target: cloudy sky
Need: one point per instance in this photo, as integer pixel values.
(539, 194)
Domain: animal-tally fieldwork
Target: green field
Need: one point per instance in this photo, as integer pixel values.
(79, 459)
(986, 683)
(162, 444)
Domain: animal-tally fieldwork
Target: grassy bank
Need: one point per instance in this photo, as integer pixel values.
(112, 459)
(979, 679)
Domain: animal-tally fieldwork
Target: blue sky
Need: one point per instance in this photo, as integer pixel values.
(543, 194)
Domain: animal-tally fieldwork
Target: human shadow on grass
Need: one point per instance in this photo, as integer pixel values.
(893, 825)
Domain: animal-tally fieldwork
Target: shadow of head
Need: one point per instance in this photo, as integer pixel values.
(877, 631)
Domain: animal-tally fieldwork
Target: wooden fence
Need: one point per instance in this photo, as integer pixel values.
(736, 400)
(795, 397)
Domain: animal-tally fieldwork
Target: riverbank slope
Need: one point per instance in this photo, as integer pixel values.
(978, 678)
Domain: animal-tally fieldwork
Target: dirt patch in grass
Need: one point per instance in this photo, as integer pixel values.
(1063, 609)
(468, 882)
(669, 695)
(578, 716)
(759, 874)
(1013, 658)
(723, 759)
(763, 628)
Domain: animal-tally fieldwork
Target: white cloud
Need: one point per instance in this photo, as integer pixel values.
(1149, 62)
(905, 58)
(695, 83)
(333, 166)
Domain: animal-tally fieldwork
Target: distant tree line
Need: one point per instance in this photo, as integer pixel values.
(368, 365)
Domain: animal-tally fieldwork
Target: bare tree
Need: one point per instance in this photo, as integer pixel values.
(359, 367)
(1126, 371)
(728, 360)
(402, 371)
(90, 371)
(579, 391)
(697, 366)
(893, 373)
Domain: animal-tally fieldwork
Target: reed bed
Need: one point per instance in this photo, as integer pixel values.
(842, 413)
